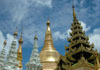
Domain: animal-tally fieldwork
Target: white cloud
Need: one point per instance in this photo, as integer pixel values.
(30, 33)
(68, 32)
(59, 35)
(85, 28)
(44, 2)
(20, 9)
(94, 38)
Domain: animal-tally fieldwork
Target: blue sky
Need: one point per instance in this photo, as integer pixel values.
(33, 14)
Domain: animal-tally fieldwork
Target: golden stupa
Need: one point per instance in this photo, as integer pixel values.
(48, 55)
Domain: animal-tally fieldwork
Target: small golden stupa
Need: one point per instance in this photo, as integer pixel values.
(48, 55)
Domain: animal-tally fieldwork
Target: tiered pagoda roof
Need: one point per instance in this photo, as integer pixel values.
(79, 48)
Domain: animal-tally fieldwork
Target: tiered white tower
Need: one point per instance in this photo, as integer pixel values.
(2, 56)
(11, 61)
(34, 62)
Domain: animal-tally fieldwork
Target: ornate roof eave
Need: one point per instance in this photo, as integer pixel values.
(78, 35)
(82, 49)
(70, 57)
(77, 30)
(66, 48)
(76, 25)
(60, 58)
(66, 60)
(92, 57)
(82, 63)
(74, 43)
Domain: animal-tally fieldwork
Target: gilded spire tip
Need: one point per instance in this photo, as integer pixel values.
(21, 39)
(72, 3)
(74, 13)
(48, 22)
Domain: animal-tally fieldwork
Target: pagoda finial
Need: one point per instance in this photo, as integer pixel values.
(5, 43)
(74, 13)
(19, 53)
(35, 37)
(16, 32)
(21, 39)
(48, 22)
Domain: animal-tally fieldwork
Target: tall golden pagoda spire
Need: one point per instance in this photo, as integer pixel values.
(48, 55)
(19, 53)
(48, 43)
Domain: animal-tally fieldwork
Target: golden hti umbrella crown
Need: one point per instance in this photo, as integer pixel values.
(19, 53)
